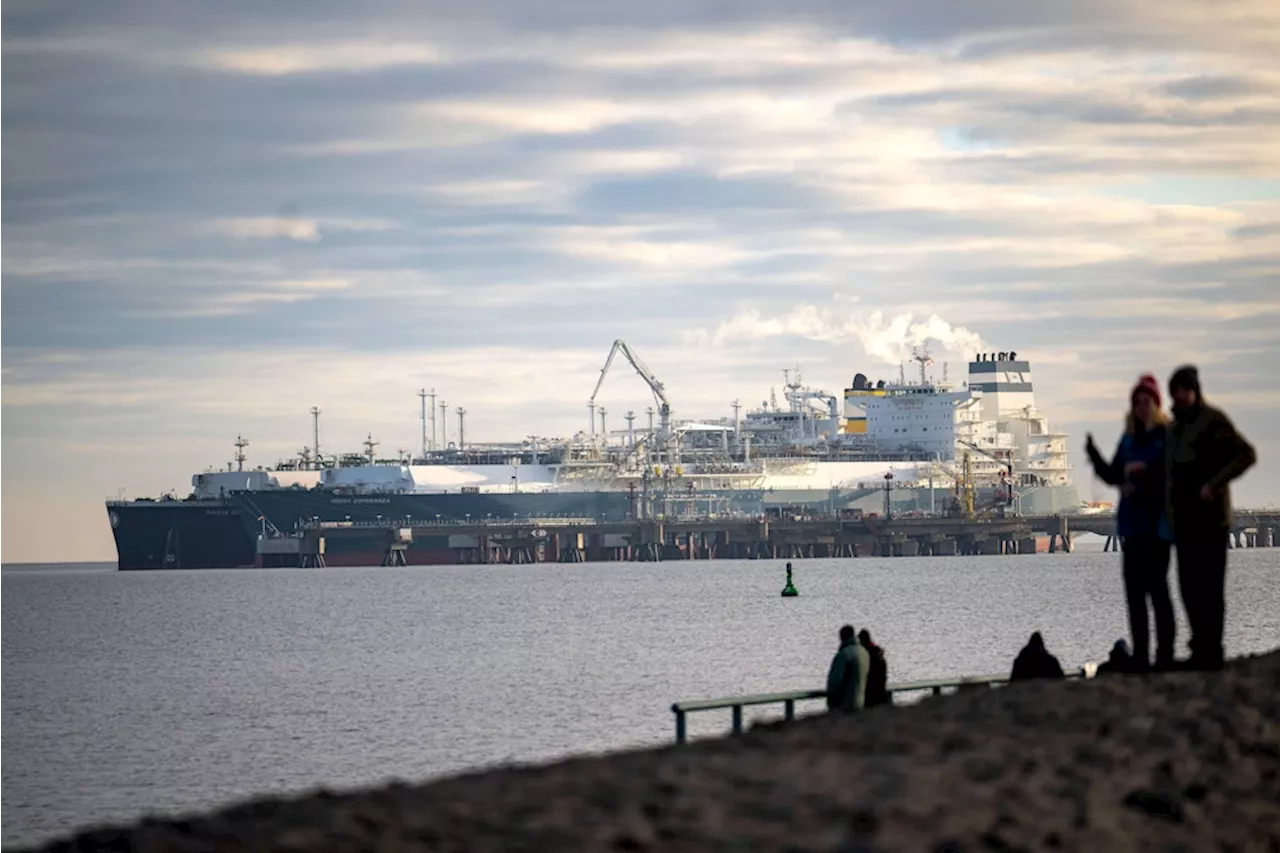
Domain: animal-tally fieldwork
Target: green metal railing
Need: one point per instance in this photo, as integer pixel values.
(788, 700)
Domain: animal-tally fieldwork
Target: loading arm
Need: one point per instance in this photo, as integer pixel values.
(659, 393)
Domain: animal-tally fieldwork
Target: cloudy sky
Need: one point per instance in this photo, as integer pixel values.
(217, 215)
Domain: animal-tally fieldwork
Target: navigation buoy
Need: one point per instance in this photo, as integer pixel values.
(789, 591)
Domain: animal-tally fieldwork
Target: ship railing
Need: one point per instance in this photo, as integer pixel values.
(444, 523)
(788, 699)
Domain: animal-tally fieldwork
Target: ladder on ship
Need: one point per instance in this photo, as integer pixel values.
(172, 550)
(247, 506)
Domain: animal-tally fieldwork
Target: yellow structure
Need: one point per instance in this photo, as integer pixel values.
(855, 412)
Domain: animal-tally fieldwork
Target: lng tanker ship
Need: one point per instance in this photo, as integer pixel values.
(984, 444)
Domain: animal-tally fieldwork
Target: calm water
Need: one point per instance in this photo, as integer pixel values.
(136, 692)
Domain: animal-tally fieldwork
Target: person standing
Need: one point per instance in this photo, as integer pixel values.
(847, 678)
(1138, 468)
(1204, 454)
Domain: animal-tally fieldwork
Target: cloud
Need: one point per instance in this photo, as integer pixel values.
(265, 227)
(286, 59)
(218, 215)
(299, 229)
(886, 339)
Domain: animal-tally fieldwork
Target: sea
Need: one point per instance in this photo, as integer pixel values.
(142, 693)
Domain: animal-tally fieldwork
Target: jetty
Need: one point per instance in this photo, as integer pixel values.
(1178, 761)
(575, 540)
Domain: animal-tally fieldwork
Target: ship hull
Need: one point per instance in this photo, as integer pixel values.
(176, 535)
(207, 534)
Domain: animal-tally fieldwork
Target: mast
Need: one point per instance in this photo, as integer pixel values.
(444, 423)
(431, 395)
(315, 434)
(422, 397)
(462, 413)
(241, 444)
(920, 355)
(369, 445)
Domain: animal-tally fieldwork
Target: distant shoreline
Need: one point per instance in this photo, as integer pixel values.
(73, 564)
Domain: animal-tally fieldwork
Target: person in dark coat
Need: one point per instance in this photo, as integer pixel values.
(847, 677)
(1120, 660)
(1204, 453)
(878, 672)
(1142, 523)
(1034, 661)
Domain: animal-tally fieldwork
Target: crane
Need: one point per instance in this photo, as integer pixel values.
(1005, 460)
(962, 503)
(659, 393)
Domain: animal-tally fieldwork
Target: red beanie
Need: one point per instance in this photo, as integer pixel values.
(1147, 384)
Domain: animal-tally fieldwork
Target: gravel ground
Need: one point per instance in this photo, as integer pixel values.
(1178, 762)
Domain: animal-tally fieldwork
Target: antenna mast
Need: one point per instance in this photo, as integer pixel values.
(422, 396)
(431, 395)
(241, 444)
(315, 434)
(369, 445)
(920, 355)
(462, 413)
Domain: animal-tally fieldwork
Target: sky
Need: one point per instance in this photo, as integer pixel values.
(217, 215)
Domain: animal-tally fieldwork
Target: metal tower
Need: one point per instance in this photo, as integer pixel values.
(431, 395)
(315, 434)
(422, 398)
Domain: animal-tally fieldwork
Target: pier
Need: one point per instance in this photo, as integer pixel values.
(393, 542)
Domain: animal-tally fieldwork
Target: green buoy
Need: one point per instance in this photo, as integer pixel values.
(789, 591)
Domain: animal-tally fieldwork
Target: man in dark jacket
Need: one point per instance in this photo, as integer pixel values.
(1034, 661)
(847, 678)
(878, 674)
(1204, 453)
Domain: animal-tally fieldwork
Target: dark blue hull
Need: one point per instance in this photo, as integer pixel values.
(203, 534)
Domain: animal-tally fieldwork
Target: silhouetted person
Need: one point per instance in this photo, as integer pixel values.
(1034, 661)
(1204, 454)
(1119, 661)
(877, 673)
(1138, 468)
(847, 678)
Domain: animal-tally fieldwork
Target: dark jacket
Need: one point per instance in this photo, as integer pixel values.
(1035, 662)
(1142, 495)
(847, 678)
(1203, 448)
(877, 677)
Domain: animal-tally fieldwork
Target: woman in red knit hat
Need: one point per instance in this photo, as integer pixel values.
(1138, 468)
